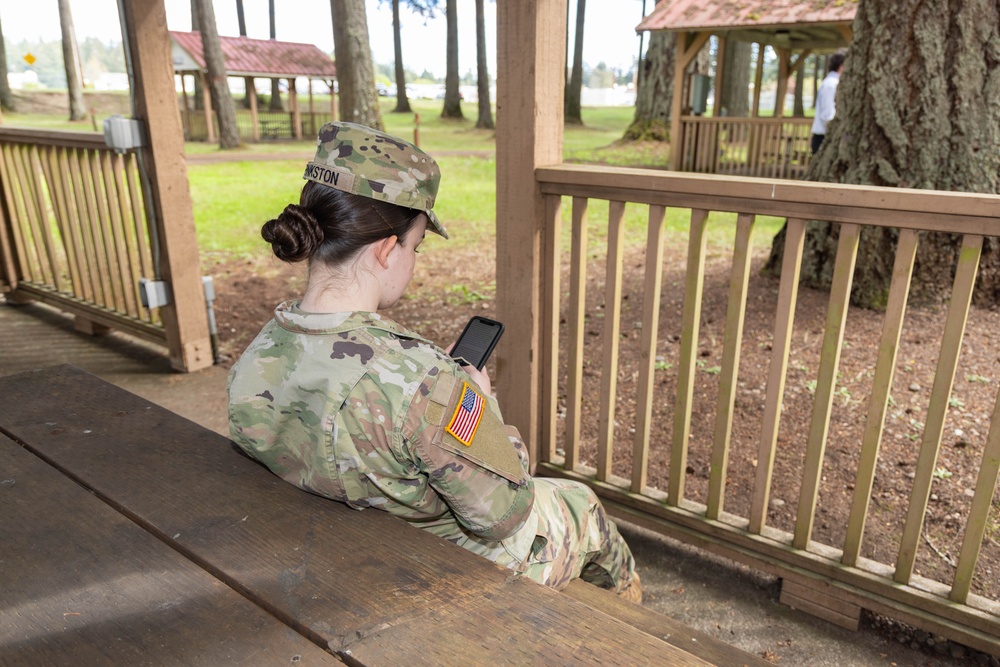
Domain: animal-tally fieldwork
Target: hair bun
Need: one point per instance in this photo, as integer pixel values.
(294, 235)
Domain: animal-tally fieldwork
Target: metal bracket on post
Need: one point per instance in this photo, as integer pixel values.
(209, 285)
(123, 134)
(153, 293)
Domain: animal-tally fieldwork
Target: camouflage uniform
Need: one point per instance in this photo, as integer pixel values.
(356, 408)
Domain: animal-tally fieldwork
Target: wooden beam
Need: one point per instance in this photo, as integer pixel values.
(720, 72)
(758, 80)
(333, 101)
(206, 103)
(688, 46)
(169, 200)
(530, 47)
(254, 115)
(293, 102)
(846, 32)
(784, 56)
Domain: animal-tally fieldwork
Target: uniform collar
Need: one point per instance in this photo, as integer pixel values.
(290, 317)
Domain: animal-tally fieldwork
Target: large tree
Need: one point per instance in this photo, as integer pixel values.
(218, 82)
(571, 100)
(655, 92)
(736, 79)
(71, 60)
(275, 104)
(355, 70)
(916, 107)
(196, 27)
(452, 96)
(402, 100)
(485, 120)
(6, 96)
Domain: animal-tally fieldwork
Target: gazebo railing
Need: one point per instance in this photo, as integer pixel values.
(273, 124)
(74, 229)
(764, 147)
(832, 580)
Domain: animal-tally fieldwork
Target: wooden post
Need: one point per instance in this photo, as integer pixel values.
(206, 102)
(169, 201)
(688, 46)
(758, 80)
(313, 128)
(254, 115)
(530, 77)
(186, 107)
(333, 102)
(784, 55)
(293, 102)
(720, 71)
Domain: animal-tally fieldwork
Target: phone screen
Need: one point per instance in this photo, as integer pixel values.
(477, 341)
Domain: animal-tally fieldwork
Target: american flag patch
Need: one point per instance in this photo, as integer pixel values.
(467, 416)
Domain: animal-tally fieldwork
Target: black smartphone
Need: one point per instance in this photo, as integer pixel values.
(477, 341)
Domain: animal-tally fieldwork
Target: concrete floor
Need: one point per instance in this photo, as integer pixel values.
(709, 593)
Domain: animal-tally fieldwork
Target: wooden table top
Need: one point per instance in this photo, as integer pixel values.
(168, 542)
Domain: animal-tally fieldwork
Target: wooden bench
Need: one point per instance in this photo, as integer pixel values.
(129, 531)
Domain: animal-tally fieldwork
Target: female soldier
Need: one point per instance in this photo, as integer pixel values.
(345, 403)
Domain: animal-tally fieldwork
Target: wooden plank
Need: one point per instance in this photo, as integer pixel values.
(12, 211)
(612, 339)
(937, 409)
(892, 326)
(91, 245)
(819, 604)
(103, 225)
(739, 282)
(83, 585)
(30, 224)
(123, 259)
(297, 554)
(694, 281)
(154, 96)
(758, 79)
(530, 76)
(975, 526)
(577, 329)
(551, 294)
(75, 225)
(8, 267)
(652, 287)
(953, 212)
(826, 381)
(62, 138)
(42, 192)
(697, 643)
(60, 209)
(781, 345)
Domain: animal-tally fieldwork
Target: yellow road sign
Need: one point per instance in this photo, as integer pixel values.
(30, 59)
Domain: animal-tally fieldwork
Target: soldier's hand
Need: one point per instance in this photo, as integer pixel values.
(480, 377)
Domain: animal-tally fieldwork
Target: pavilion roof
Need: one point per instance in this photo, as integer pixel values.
(787, 23)
(257, 57)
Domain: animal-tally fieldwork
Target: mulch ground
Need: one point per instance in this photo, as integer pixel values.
(449, 287)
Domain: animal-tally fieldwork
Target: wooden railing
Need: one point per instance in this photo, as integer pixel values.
(833, 580)
(765, 147)
(75, 233)
(273, 124)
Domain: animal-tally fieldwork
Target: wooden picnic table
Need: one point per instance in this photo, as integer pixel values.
(131, 535)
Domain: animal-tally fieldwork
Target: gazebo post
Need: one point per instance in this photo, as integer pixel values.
(784, 55)
(206, 99)
(758, 80)
(293, 102)
(530, 77)
(720, 71)
(254, 115)
(688, 46)
(312, 111)
(333, 102)
(169, 203)
(187, 106)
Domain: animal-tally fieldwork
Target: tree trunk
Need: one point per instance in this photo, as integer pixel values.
(573, 89)
(242, 22)
(275, 104)
(452, 99)
(798, 107)
(736, 79)
(485, 120)
(402, 100)
(218, 82)
(6, 96)
(656, 90)
(71, 60)
(199, 105)
(916, 107)
(355, 71)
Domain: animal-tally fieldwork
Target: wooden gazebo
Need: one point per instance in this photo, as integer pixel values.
(251, 59)
(795, 29)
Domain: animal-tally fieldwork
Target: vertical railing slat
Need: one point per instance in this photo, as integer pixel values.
(133, 244)
(733, 338)
(117, 302)
(693, 284)
(975, 527)
(122, 257)
(577, 328)
(30, 219)
(42, 193)
(7, 181)
(784, 318)
(652, 288)
(75, 223)
(549, 368)
(612, 327)
(50, 165)
(86, 219)
(826, 381)
(892, 326)
(937, 409)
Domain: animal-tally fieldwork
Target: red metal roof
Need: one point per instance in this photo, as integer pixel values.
(261, 57)
(694, 15)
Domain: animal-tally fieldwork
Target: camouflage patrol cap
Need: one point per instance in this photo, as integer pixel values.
(369, 163)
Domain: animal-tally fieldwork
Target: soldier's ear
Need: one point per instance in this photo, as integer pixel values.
(382, 249)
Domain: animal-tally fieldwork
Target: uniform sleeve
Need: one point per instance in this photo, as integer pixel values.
(462, 445)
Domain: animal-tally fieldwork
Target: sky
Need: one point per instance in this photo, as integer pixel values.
(609, 37)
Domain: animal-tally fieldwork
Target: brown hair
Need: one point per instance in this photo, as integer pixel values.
(331, 226)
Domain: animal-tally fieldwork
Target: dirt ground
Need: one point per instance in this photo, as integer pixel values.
(449, 287)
